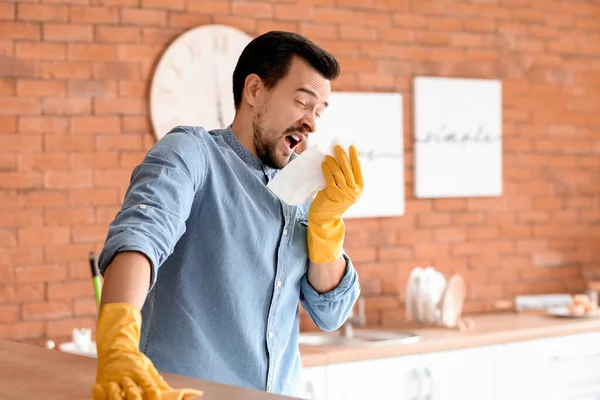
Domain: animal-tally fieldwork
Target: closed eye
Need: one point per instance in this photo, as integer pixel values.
(304, 105)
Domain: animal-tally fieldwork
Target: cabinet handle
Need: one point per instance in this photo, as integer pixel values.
(310, 392)
(414, 377)
(429, 375)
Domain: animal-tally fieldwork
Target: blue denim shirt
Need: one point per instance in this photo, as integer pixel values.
(229, 263)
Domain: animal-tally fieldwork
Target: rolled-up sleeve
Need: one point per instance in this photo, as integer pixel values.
(158, 200)
(329, 310)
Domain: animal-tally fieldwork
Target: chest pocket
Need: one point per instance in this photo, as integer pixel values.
(302, 215)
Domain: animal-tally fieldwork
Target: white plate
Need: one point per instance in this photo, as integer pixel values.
(439, 286)
(564, 312)
(425, 298)
(453, 300)
(412, 290)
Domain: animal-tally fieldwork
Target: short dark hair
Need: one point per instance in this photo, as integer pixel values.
(270, 56)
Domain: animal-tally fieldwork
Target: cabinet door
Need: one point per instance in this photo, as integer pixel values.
(312, 386)
(561, 368)
(393, 378)
(467, 374)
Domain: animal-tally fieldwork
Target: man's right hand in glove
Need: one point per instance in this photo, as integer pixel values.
(123, 371)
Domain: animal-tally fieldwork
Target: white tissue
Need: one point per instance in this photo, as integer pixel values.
(301, 180)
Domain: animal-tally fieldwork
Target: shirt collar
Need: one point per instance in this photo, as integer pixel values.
(241, 151)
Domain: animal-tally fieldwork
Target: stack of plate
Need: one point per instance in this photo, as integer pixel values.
(432, 300)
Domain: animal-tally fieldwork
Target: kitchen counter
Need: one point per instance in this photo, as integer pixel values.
(30, 372)
(488, 330)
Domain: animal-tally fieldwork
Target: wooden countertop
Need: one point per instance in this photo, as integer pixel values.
(30, 372)
(489, 329)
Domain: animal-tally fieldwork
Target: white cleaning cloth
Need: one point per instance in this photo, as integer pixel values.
(300, 180)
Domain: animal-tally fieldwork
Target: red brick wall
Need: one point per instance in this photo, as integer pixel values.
(74, 121)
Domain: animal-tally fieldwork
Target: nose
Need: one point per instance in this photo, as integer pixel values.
(308, 123)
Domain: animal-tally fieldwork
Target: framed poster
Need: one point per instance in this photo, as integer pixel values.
(373, 123)
(457, 137)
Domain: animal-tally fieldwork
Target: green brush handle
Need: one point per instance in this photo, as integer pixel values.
(97, 288)
(96, 278)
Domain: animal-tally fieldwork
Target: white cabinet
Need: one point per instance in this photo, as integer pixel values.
(466, 374)
(392, 378)
(312, 386)
(561, 368)
(558, 368)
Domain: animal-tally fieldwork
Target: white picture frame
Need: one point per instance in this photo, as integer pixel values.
(373, 122)
(457, 137)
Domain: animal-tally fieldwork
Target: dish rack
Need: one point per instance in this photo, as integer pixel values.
(433, 300)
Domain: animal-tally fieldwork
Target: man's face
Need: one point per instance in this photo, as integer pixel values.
(288, 113)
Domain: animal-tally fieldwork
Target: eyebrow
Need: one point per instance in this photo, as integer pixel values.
(310, 92)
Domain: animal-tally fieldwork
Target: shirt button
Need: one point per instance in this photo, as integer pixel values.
(270, 335)
(285, 232)
(278, 283)
(143, 206)
(268, 388)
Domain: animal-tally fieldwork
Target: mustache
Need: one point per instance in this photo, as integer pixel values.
(294, 129)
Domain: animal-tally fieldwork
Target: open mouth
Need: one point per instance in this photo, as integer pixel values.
(293, 140)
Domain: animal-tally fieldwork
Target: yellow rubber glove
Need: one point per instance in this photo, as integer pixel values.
(123, 371)
(325, 224)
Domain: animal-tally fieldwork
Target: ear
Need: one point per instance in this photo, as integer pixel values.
(252, 89)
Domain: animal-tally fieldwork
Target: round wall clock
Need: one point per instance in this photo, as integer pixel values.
(192, 83)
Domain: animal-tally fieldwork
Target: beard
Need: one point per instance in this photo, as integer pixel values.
(267, 143)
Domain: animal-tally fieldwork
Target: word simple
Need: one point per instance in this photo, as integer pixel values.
(445, 135)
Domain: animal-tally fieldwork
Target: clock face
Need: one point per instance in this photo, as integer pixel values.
(192, 83)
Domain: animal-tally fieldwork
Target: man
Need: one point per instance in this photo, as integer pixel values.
(213, 259)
